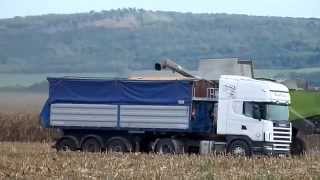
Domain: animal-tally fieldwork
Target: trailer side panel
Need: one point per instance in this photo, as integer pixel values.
(149, 116)
(83, 115)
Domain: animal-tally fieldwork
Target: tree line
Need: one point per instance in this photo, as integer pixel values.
(124, 39)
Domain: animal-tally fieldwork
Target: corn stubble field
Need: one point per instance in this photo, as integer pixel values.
(38, 161)
(26, 154)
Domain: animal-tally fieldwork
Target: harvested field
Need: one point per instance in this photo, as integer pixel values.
(28, 155)
(39, 161)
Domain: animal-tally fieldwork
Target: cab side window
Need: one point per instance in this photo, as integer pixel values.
(248, 109)
(254, 110)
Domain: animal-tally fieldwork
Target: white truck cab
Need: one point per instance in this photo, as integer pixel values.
(257, 110)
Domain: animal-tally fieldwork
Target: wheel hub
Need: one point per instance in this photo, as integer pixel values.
(239, 151)
(166, 149)
(116, 148)
(91, 148)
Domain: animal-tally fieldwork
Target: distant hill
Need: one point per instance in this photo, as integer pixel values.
(118, 40)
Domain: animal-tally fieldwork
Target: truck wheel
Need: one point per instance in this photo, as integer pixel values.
(169, 146)
(118, 144)
(239, 148)
(91, 145)
(67, 144)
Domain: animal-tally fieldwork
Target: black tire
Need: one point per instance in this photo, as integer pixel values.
(66, 144)
(118, 144)
(91, 145)
(297, 146)
(169, 146)
(239, 148)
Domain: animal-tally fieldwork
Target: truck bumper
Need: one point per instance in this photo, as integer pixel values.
(267, 148)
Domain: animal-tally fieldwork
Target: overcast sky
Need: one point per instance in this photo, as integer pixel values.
(290, 8)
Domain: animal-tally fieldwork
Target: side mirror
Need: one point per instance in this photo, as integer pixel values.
(157, 67)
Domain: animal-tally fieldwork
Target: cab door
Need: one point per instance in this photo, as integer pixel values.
(245, 119)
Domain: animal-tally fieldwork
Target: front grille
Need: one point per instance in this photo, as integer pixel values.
(286, 130)
(281, 147)
(281, 138)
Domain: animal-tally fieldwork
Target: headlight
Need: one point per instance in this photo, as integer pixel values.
(267, 136)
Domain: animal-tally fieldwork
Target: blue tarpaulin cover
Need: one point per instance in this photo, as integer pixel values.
(102, 91)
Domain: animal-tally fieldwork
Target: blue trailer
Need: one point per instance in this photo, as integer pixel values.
(95, 114)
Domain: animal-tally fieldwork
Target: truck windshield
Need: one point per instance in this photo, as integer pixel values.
(277, 112)
(267, 111)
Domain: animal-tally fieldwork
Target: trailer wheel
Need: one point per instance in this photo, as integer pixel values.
(239, 148)
(67, 144)
(169, 146)
(91, 145)
(118, 144)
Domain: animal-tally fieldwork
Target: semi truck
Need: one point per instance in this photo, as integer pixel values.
(236, 115)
